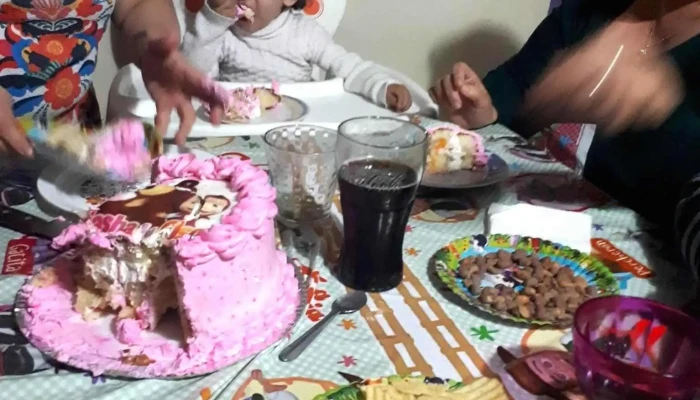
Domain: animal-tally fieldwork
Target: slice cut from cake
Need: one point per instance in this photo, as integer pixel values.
(269, 99)
(250, 102)
(453, 149)
(245, 105)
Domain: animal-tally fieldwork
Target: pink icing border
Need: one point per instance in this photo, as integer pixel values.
(480, 158)
(48, 308)
(124, 150)
(255, 196)
(255, 207)
(55, 328)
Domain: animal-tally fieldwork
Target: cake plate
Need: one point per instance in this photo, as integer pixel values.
(446, 263)
(289, 109)
(165, 331)
(495, 171)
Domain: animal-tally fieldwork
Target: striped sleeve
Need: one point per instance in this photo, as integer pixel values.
(688, 224)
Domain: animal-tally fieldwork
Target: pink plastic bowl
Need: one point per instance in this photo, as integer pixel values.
(633, 348)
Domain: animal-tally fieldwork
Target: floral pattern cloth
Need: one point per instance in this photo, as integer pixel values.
(48, 53)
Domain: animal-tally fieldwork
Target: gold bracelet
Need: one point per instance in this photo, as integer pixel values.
(610, 68)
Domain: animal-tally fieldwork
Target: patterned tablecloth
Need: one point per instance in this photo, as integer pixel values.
(416, 328)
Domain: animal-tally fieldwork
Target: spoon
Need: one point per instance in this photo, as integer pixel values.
(347, 304)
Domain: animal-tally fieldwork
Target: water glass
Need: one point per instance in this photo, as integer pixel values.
(301, 161)
(380, 164)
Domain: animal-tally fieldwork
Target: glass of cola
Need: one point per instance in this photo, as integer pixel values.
(380, 163)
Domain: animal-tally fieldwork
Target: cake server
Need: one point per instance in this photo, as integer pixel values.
(30, 225)
(346, 304)
(70, 146)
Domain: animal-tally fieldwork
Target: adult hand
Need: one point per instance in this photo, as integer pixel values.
(172, 82)
(398, 98)
(609, 82)
(12, 138)
(463, 99)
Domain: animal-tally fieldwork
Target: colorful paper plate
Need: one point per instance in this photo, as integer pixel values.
(417, 387)
(448, 258)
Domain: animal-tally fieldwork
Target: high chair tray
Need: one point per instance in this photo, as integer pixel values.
(327, 101)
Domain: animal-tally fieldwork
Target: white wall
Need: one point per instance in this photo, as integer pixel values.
(424, 38)
(420, 38)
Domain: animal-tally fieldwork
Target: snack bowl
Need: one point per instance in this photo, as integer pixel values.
(507, 281)
(628, 347)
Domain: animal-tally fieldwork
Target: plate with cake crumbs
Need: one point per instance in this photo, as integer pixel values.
(417, 388)
(260, 105)
(523, 279)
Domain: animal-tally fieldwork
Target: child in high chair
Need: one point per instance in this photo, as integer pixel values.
(279, 43)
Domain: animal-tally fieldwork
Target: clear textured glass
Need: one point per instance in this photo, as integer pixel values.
(634, 348)
(380, 164)
(301, 161)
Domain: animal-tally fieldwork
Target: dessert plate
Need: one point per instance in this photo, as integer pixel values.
(447, 265)
(68, 191)
(495, 171)
(289, 109)
(100, 351)
(417, 387)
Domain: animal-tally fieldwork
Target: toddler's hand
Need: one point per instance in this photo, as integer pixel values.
(463, 99)
(398, 98)
(12, 139)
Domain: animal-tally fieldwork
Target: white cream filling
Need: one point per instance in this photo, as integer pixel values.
(455, 153)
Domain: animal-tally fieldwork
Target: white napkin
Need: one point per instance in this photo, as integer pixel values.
(571, 229)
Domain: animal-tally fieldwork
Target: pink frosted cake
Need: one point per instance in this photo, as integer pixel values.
(453, 149)
(200, 241)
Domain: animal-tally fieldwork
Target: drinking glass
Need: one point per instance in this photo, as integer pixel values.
(301, 161)
(380, 164)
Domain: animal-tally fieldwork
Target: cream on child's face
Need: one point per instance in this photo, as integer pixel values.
(265, 12)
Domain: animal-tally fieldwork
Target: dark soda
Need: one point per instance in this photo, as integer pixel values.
(376, 197)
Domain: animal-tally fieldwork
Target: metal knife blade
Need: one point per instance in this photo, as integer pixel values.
(22, 222)
(350, 378)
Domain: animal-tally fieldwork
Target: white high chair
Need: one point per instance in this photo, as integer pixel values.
(128, 91)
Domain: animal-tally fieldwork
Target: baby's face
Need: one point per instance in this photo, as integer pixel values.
(265, 11)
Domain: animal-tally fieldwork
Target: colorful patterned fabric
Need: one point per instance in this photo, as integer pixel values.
(48, 53)
(569, 143)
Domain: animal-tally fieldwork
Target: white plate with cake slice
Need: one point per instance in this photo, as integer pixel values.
(289, 109)
(261, 105)
(68, 192)
(495, 171)
(457, 159)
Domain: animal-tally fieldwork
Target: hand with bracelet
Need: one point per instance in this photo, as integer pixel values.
(616, 80)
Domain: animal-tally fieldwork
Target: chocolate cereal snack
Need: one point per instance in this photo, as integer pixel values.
(523, 279)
